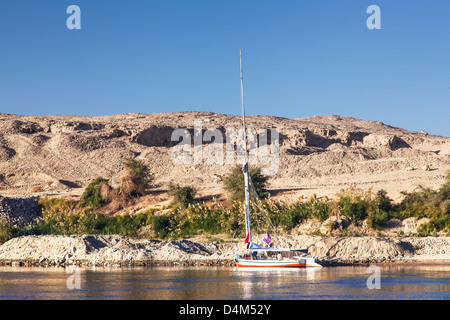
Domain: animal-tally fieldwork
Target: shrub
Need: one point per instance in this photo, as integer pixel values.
(378, 210)
(119, 200)
(444, 191)
(58, 217)
(319, 209)
(420, 195)
(353, 209)
(182, 196)
(234, 183)
(137, 179)
(445, 206)
(292, 214)
(94, 194)
(162, 225)
(5, 230)
(427, 203)
(357, 205)
(382, 201)
(60, 205)
(375, 220)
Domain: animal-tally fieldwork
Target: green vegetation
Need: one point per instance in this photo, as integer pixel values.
(61, 217)
(188, 217)
(6, 231)
(427, 203)
(182, 196)
(358, 205)
(234, 183)
(132, 185)
(137, 179)
(92, 195)
(162, 226)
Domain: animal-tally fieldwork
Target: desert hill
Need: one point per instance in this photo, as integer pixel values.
(60, 155)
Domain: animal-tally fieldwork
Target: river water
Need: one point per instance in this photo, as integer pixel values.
(225, 283)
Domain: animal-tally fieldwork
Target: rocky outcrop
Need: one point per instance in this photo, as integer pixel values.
(101, 250)
(20, 212)
(118, 250)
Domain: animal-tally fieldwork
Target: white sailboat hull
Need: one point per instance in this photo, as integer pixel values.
(275, 263)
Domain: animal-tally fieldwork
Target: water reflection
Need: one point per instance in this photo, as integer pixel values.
(259, 282)
(178, 283)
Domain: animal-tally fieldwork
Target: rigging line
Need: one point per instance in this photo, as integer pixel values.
(260, 208)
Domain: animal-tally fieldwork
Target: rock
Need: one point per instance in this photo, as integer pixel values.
(20, 211)
(340, 224)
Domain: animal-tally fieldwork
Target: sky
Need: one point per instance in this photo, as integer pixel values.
(301, 58)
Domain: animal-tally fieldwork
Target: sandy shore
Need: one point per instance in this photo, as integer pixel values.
(88, 250)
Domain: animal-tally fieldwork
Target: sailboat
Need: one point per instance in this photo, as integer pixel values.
(257, 255)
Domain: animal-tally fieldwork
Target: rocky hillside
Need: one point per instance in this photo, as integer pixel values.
(62, 154)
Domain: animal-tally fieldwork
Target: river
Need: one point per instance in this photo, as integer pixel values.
(225, 283)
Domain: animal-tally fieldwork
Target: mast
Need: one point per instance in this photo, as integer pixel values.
(245, 168)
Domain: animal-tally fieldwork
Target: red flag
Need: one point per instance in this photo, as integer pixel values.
(248, 237)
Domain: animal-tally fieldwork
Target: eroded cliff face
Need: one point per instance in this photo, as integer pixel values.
(62, 154)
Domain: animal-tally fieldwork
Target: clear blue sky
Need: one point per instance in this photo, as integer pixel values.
(301, 58)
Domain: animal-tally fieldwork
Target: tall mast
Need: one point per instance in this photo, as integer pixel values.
(245, 168)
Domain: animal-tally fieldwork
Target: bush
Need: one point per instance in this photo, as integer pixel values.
(376, 219)
(420, 195)
(354, 209)
(234, 183)
(291, 215)
(443, 194)
(378, 210)
(59, 217)
(182, 196)
(319, 209)
(59, 205)
(162, 225)
(427, 203)
(382, 201)
(137, 179)
(94, 195)
(6, 232)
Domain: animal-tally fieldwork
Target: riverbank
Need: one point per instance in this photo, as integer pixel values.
(113, 250)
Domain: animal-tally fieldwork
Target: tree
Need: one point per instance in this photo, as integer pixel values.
(234, 183)
(137, 179)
